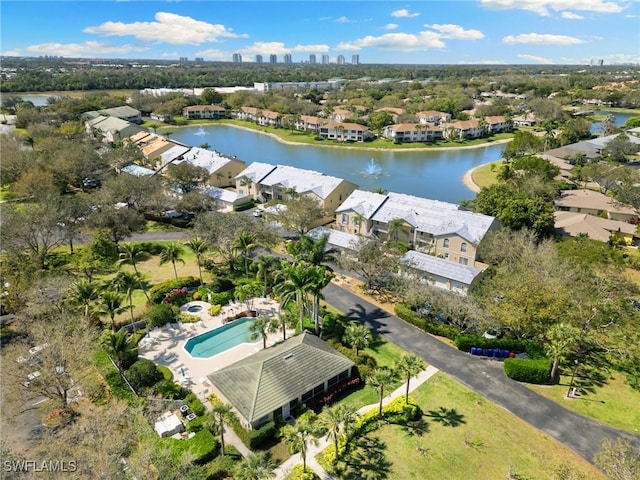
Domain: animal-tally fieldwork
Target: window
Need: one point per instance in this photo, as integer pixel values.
(345, 218)
(463, 247)
(463, 261)
(446, 256)
(445, 243)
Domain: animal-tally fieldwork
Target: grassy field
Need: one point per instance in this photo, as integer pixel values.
(615, 403)
(463, 437)
(485, 175)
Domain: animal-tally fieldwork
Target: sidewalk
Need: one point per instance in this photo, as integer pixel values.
(283, 470)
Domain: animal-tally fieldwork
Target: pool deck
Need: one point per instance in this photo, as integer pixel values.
(165, 346)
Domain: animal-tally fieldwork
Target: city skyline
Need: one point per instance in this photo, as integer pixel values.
(426, 32)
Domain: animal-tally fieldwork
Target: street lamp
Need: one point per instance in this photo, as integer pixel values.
(573, 374)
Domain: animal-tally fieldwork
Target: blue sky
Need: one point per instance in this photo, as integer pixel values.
(422, 32)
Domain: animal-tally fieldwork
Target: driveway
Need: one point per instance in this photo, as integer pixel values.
(484, 376)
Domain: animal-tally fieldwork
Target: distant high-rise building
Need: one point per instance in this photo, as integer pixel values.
(199, 59)
(258, 58)
(340, 60)
(237, 58)
(273, 58)
(355, 59)
(325, 59)
(184, 59)
(312, 59)
(287, 58)
(600, 63)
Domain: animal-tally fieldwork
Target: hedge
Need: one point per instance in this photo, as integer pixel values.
(467, 342)
(202, 446)
(299, 473)
(244, 206)
(195, 404)
(256, 437)
(527, 370)
(159, 315)
(221, 298)
(423, 323)
(158, 292)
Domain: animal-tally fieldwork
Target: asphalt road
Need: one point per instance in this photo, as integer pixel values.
(482, 375)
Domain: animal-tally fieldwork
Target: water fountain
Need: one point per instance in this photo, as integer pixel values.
(201, 131)
(372, 170)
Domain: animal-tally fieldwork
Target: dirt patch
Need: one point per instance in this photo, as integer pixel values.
(384, 300)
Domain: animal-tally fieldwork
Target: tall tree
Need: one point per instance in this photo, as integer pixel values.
(84, 294)
(110, 303)
(408, 366)
(220, 414)
(619, 460)
(172, 253)
(199, 246)
(266, 265)
(298, 437)
(260, 328)
(256, 466)
(320, 278)
(127, 283)
(132, 254)
(245, 243)
(371, 259)
(122, 348)
(337, 420)
(381, 379)
(357, 336)
(297, 284)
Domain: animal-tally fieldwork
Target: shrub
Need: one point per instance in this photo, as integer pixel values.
(222, 298)
(166, 372)
(117, 386)
(195, 404)
(157, 292)
(467, 342)
(221, 284)
(258, 436)
(244, 206)
(170, 389)
(152, 248)
(424, 323)
(214, 310)
(159, 315)
(526, 370)
(143, 374)
(222, 466)
(298, 473)
(188, 318)
(196, 424)
(202, 446)
(176, 296)
(196, 295)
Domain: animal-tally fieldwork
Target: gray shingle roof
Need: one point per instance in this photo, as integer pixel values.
(336, 237)
(442, 268)
(259, 384)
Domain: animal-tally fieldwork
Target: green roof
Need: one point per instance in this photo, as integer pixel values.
(259, 384)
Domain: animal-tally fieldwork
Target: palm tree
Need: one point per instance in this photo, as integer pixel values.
(320, 278)
(266, 264)
(132, 254)
(283, 320)
(357, 336)
(394, 226)
(381, 379)
(172, 253)
(111, 304)
(199, 247)
(298, 282)
(316, 252)
(260, 328)
(337, 420)
(220, 413)
(84, 294)
(258, 466)
(298, 436)
(408, 366)
(245, 243)
(121, 347)
(126, 283)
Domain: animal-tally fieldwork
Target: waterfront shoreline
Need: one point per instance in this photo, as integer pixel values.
(467, 179)
(372, 149)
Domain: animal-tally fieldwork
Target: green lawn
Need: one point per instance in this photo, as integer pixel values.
(615, 403)
(485, 175)
(464, 436)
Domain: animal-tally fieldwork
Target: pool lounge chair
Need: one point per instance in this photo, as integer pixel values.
(169, 357)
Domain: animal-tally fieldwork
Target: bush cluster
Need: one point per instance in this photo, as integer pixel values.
(429, 325)
(299, 473)
(157, 292)
(143, 374)
(176, 296)
(258, 436)
(159, 315)
(222, 298)
(529, 371)
(466, 342)
(214, 309)
(397, 412)
(335, 393)
(194, 404)
(202, 446)
(244, 206)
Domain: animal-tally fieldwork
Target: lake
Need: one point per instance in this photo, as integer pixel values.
(618, 118)
(429, 174)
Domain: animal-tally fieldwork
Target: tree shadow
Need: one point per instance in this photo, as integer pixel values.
(416, 428)
(367, 461)
(448, 417)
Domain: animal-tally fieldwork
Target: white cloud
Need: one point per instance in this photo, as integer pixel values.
(404, 13)
(571, 16)
(456, 31)
(85, 49)
(404, 42)
(213, 54)
(168, 28)
(342, 19)
(541, 39)
(535, 58)
(481, 62)
(391, 26)
(543, 7)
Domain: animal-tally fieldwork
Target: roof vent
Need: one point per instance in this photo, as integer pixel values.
(288, 356)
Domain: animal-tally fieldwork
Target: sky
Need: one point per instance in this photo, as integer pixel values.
(572, 32)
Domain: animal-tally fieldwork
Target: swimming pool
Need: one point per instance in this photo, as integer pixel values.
(220, 339)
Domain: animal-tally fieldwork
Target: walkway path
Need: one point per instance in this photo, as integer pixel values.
(283, 470)
(484, 376)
